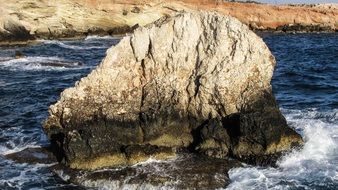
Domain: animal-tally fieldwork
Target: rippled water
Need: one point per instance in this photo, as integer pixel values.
(27, 87)
(305, 84)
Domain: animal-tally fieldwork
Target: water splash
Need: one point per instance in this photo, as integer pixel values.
(314, 166)
(27, 175)
(96, 37)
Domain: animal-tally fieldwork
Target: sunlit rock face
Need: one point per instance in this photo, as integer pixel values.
(198, 80)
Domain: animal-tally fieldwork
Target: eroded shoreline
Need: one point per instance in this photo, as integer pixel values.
(24, 21)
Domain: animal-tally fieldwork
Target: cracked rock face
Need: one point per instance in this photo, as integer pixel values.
(198, 80)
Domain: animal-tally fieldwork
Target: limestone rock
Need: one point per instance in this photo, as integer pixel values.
(46, 19)
(11, 29)
(198, 80)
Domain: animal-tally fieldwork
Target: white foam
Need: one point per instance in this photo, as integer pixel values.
(5, 59)
(152, 160)
(314, 164)
(69, 46)
(96, 37)
(38, 63)
(319, 144)
(26, 174)
(114, 184)
(62, 175)
(19, 141)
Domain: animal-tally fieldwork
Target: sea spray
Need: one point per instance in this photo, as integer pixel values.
(314, 165)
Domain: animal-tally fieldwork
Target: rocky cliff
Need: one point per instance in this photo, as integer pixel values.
(28, 19)
(198, 81)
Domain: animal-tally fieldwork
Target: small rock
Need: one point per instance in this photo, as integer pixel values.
(19, 54)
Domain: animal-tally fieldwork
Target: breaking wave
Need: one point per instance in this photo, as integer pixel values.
(27, 175)
(151, 165)
(66, 45)
(39, 63)
(314, 166)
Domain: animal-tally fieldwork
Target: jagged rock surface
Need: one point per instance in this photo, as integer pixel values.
(197, 80)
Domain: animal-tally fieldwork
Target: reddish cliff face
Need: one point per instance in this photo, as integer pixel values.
(25, 19)
(271, 17)
(262, 16)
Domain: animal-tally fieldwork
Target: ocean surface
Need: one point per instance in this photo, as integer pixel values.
(305, 83)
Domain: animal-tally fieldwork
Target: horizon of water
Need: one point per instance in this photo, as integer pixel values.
(305, 83)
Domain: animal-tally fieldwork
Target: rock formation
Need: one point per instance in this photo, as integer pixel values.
(12, 30)
(45, 19)
(198, 80)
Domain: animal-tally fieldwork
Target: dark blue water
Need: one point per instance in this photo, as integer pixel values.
(305, 84)
(307, 71)
(27, 87)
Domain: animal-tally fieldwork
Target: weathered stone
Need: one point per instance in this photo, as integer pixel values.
(215, 140)
(11, 30)
(198, 80)
(188, 171)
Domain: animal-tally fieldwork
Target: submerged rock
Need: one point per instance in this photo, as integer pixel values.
(33, 156)
(303, 28)
(61, 64)
(188, 171)
(198, 80)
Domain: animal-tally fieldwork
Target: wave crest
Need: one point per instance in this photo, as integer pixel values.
(73, 47)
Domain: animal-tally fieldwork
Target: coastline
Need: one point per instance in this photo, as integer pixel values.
(7, 43)
(35, 40)
(27, 21)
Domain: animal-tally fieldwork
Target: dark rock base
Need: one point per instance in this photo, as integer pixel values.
(257, 135)
(187, 171)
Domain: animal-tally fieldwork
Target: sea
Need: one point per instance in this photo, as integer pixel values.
(305, 84)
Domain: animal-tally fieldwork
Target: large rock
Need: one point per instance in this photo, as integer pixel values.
(198, 80)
